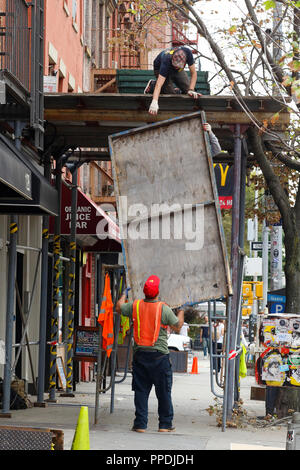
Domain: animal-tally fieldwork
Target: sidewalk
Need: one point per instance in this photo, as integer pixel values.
(195, 428)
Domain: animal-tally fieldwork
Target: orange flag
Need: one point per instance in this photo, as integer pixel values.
(106, 318)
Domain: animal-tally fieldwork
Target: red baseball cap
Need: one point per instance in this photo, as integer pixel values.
(151, 287)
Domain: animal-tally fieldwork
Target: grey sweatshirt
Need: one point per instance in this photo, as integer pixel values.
(214, 144)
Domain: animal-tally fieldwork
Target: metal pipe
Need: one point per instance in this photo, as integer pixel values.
(43, 299)
(127, 356)
(100, 275)
(212, 355)
(10, 301)
(26, 336)
(226, 384)
(244, 152)
(234, 263)
(25, 327)
(71, 296)
(114, 360)
(55, 281)
(31, 343)
(62, 258)
(116, 288)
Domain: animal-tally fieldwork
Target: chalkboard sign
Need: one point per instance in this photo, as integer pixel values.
(86, 343)
(61, 372)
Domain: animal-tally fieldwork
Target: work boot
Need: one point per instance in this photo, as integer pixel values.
(138, 430)
(167, 429)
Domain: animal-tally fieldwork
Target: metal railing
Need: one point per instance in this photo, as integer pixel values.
(15, 40)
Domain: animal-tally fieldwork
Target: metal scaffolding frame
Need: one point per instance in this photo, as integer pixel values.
(117, 275)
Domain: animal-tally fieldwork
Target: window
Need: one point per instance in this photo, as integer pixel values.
(74, 10)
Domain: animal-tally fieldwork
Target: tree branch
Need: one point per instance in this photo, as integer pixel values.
(288, 161)
(273, 182)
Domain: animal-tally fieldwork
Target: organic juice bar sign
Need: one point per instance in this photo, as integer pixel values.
(83, 217)
(87, 213)
(90, 218)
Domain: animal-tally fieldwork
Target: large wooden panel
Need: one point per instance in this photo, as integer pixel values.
(169, 211)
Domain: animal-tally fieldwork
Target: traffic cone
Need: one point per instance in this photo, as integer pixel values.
(81, 440)
(195, 366)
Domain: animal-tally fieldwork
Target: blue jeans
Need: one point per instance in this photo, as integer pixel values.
(152, 368)
(205, 343)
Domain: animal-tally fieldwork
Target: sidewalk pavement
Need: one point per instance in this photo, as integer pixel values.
(195, 428)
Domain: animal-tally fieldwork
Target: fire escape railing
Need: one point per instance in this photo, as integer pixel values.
(21, 54)
(15, 40)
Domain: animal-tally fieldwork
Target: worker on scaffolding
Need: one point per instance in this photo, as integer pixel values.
(151, 364)
(168, 68)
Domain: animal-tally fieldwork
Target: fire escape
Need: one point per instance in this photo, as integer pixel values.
(21, 65)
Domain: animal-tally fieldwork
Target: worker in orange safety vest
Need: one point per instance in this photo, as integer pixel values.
(151, 364)
(106, 318)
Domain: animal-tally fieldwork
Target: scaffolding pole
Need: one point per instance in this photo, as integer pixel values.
(71, 290)
(234, 267)
(10, 308)
(43, 301)
(10, 301)
(55, 280)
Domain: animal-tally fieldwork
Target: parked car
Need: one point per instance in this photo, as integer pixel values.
(179, 342)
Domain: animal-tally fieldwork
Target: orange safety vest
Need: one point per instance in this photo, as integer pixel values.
(146, 322)
(106, 318)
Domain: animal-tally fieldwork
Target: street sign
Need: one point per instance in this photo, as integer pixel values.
(277, 307)
(258, 246)
(276, 303)
(276, 298)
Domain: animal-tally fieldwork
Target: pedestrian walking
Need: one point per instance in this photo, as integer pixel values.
(204, 336)
(151, 364)
(220, 339)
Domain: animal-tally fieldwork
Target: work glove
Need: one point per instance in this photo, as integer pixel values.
(127, 290)
(207, 127)
(194, 94)
(153, 107)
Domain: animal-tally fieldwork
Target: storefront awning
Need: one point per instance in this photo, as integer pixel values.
(23, 189)
(15, 177)
(95, 230)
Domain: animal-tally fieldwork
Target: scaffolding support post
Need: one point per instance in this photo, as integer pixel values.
(43, 301)
(55, 280)
(10, 308)
(71, 294)
(10, 301)
(234, 266)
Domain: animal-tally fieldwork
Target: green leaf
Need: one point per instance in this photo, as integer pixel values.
(269, 4)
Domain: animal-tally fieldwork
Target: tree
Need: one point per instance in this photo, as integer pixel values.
(260, 57)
